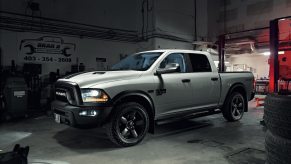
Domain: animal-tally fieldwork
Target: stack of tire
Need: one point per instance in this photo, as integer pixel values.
(278, 121)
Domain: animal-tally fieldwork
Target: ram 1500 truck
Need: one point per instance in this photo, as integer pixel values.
(147, 87)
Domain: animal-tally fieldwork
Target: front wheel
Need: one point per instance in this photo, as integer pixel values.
(128, 125)
(234, 107)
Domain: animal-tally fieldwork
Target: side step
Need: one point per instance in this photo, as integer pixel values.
(187, 117)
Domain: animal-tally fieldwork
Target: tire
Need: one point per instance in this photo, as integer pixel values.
(128, 124)
(278, 149)
(234, 107)
(278, 115)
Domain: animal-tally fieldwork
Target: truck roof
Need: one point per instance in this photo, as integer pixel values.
(177, 50)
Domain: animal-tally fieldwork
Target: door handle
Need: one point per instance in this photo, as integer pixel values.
(186, 80)
(214, 78)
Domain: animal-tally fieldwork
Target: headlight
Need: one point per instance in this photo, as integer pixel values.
(93, 96)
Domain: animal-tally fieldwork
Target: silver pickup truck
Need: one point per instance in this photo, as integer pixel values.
(148, 87)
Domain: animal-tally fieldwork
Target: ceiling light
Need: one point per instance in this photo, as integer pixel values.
(269, 53)
(281, 52)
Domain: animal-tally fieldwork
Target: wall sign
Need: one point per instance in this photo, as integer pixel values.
(47, 49)
(102, 60)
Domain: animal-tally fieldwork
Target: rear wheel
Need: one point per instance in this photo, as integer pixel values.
(234, 107)
(128, 125)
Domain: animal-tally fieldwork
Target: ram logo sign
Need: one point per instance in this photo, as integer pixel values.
(62, 94)
(47, 45)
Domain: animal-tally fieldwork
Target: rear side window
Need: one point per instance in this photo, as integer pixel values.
(199, 63)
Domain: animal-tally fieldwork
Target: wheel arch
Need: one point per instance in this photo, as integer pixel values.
(238, 87)
(140, 97)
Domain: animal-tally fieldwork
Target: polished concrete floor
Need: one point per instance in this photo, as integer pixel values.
(205, 140)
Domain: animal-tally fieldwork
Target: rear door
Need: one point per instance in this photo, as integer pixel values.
(205, 82)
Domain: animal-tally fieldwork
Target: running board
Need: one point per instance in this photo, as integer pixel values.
(187, 117)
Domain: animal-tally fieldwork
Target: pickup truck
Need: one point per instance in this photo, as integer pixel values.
(148, 87)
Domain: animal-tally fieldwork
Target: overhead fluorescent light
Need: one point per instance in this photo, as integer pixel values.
(217, 62)
(269, 53)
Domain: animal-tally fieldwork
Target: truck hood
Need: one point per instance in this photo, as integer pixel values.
(88, 79)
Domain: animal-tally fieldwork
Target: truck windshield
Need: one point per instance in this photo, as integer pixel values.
(138, 62)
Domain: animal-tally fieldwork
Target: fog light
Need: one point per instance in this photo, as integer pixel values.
(90, 113)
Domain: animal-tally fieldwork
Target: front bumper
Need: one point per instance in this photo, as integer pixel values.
(70, 114)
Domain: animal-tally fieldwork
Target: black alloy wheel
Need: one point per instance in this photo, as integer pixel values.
(237, 107)
(234, 107)
(129, 124)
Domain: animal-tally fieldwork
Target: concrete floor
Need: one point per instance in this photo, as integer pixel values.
(205, 140)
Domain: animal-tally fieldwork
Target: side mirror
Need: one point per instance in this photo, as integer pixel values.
(170, 68)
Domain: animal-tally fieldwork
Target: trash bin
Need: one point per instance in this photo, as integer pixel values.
(15, 95)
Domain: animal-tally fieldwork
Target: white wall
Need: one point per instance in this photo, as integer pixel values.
(107, 13)
(168, 17)
(258, 62)
(86, 51)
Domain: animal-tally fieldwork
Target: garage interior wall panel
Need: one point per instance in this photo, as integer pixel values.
(253, 14)
(167, 17)
(257, 62)
(107, 13)
(113, 14)
(177, 19)
(87, 50)
(170, 44)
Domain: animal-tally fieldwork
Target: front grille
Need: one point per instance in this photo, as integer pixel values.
(68, 92)
(61, 94)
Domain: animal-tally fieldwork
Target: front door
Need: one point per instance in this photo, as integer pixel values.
(173, 90)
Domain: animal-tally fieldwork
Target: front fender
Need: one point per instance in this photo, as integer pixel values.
(140, 97)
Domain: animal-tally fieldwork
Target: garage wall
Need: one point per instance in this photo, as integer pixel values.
(176, 18)
(114, 14)
(165, 17)
(213, 23)
(243, 14)
(258, 62)
(108, 13)
(87, 50)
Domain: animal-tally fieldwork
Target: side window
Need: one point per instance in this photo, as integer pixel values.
(199, 63)
(175, 58)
